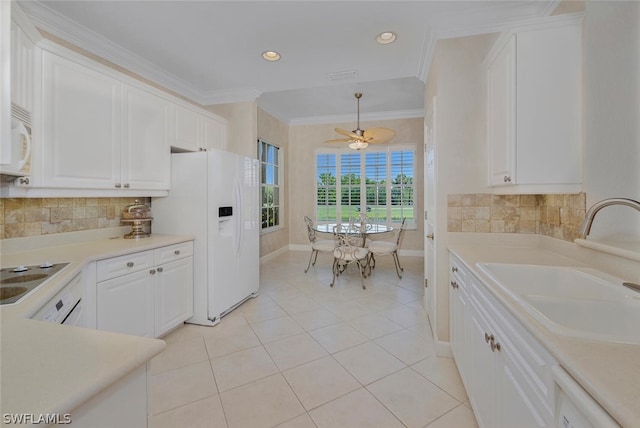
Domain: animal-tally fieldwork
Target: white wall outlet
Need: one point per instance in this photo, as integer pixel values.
(56, 215)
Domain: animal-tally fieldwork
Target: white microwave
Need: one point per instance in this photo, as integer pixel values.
(16, 159)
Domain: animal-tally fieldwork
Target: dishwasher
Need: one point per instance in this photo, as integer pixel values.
(574, 407)
(66, 306)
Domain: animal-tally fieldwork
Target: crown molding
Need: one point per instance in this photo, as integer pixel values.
(68, 30)
(428, 51)
(230, 96)
(364, 117)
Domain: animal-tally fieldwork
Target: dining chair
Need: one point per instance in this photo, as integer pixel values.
(384, 248)
(347, 252)
(317, 245)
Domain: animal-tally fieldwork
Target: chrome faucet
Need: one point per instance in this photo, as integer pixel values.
(591, 213)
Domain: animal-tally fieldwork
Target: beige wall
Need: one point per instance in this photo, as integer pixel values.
(612, 109)
(275, 132)
(305, 139)
(458, 79)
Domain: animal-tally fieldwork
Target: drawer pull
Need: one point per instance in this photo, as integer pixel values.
(454, 269)
(495, 347)
(152, 271)
(129, 264)
(454, 285)
(176, 252)
(160, 269)
(489, 338)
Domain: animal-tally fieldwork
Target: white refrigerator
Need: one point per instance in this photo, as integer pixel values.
(214, 196)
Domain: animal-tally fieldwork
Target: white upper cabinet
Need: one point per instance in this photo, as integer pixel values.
(214, 133)
(100, 131)
(145, 163)
(534, 114)
(81, 126)
(195, 131)
(186, 135)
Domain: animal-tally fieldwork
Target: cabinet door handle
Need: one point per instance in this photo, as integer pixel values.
(152, 271)
(118, 185)
(495, 347)
(454, 269)
(160, 269)
(454, 284)
(126, 185)
(130, 264)
(176, 252)
(507, 179)
(489, 338)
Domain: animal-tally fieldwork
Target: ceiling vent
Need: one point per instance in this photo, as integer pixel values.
(343, 75)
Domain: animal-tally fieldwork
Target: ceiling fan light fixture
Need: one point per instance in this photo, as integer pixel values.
(271, 55)
(386, 37)
(358, 145)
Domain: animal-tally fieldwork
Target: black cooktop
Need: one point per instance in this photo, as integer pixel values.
(16, 282)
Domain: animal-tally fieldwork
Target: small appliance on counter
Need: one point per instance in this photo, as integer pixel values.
(136, 214)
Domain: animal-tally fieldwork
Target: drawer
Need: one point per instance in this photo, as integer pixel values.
(457, 271)
(173, 252)
(118, 266)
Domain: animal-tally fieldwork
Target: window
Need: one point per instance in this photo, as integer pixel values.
(378, 182)
(271, 179)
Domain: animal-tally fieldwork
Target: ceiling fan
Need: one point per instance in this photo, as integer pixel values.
(359, 139)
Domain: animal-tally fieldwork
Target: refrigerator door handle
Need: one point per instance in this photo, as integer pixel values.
(239, 217)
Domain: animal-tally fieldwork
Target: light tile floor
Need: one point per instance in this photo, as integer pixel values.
(302, 354)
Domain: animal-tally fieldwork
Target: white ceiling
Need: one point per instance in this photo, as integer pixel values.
(210, 50)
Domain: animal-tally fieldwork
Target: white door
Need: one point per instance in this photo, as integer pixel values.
(125, 304)
(430, 214)
(81, 125)
(146, 155)
(173, 294)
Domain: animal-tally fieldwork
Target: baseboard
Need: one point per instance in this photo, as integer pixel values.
(443, 349)
(272, 255)
(299, 247)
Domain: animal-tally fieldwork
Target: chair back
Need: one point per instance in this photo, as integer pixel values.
(401, 232)
(310, 230)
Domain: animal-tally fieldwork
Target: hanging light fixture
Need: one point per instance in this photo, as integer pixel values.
(359, 139)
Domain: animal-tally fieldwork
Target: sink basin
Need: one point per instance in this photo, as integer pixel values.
(572, 301)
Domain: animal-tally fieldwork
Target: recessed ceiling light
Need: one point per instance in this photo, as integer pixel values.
(271, 55)
(386, 37)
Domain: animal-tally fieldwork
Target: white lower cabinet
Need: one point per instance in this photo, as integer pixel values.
(173, 294)
(125, 304)
(506, 371)
(146, 293)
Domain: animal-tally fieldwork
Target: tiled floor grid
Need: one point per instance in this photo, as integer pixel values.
(302, 354)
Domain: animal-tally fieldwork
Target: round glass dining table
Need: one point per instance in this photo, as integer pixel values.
(370, 228)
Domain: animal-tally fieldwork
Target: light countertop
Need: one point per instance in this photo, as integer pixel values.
(53, 368)
(609, 372)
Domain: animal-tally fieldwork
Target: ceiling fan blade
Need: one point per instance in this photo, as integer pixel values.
(347, 133)
(338, 140)
(379, 135)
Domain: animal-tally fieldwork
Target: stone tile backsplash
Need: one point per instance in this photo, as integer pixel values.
(21, 217)
(558, 216)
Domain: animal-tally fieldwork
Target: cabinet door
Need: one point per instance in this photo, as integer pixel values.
(501, 126)
(22, 68)
(481, 370)
(173, 294)
(549, 105)
(125, 304)
(186, 129)
(146, 160)
(517, 405)
(214, 133)
(81, 126)
(459, 308)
